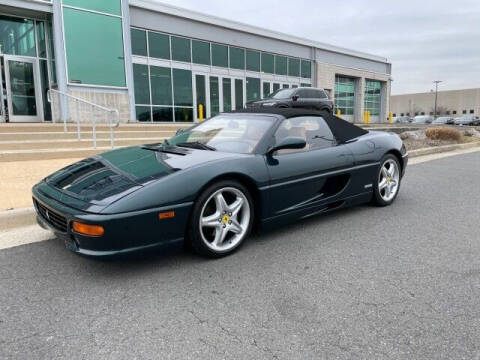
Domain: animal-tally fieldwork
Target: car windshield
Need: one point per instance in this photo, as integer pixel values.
(442, 119)
(225, 133)
(282, 94)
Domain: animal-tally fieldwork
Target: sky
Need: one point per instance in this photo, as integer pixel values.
(424, 40)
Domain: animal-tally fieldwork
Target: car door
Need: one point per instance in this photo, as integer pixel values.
(302, 181)
(303, 99)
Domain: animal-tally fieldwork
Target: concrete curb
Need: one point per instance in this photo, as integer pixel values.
(12, 219)
(17, 218)
(442, 149)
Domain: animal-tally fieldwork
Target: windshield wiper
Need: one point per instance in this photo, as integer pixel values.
(196, 145)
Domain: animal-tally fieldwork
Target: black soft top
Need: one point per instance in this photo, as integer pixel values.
(341, 129)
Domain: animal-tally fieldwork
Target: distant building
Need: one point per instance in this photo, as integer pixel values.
(452, 102)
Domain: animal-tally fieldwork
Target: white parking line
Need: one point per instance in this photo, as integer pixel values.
(425, 158)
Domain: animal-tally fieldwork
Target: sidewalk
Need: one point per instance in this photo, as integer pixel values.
(19, 177)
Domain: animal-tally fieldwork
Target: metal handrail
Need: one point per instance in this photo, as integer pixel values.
(113, 116)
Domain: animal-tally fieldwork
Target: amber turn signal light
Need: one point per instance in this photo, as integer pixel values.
(89, 230)
(166, 215)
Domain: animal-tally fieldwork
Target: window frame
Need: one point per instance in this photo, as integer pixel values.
(319, 119)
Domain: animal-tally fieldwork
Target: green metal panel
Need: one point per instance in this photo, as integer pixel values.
(94, 52)
(113, 7)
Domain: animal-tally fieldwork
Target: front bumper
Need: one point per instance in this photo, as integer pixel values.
(124, 233)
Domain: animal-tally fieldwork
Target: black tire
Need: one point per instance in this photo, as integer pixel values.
(194, 236)
(377, 199)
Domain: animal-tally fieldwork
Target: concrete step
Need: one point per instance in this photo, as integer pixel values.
(70, 144)
(19, 136)
(50, 154)
(46, 127)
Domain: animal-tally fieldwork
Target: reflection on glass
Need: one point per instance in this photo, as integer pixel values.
(238, 94)
(161, 83)
(266, 89)
(143, 113)
(42, 44)
(162, 114)
(47, 111)
(183, 114)
(17, 36)
(22, 86)
(253, 89)
(141, 85)
(201, 94)
(214, 96)
(182, 87)
(227, 94)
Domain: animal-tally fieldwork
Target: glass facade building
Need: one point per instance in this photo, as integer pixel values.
(158, 63)
(27, 68)
(201, 78)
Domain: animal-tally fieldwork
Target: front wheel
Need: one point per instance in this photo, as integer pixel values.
(387, 184)
(221, 220)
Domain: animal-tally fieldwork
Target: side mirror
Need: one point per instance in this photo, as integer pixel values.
(180, 131)
(295, 98)
(290, 142)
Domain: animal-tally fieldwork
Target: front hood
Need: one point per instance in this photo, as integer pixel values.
(104, 179)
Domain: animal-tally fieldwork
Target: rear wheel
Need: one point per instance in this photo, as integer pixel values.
(387, 184)
(221, 220)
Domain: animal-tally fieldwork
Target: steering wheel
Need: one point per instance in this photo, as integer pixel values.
(241, 146)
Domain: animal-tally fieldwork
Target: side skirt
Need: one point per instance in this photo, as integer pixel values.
(293, 216)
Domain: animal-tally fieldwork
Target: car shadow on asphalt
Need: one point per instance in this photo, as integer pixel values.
(179, 253)
(175, 258)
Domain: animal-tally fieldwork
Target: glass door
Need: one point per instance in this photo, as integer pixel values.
(2, 94)
(23, 92)
(266, 89)
(239, 94)
(227, 95)
(202, 108)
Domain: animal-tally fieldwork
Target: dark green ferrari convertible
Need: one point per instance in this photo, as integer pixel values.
(209, 185)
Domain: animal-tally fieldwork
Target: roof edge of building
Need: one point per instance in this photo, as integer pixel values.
(439, 91)
(239, 26)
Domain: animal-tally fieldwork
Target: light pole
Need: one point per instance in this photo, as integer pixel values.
(436, 82)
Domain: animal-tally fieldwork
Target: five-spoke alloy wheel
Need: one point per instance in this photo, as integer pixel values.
(221, 219)
(388, 182)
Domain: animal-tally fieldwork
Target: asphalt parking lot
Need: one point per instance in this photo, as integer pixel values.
(365, 283)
